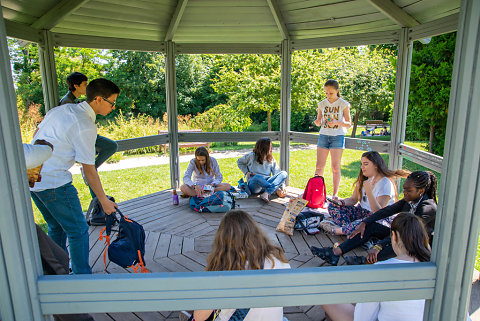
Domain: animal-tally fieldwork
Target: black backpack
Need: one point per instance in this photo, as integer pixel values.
(95, 214)
(128, 249)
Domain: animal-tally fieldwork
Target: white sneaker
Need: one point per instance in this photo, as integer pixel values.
(264, 196)
(184, 316)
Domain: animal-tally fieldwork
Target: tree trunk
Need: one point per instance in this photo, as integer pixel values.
(430, 142)
(355, 123)
(269, 119)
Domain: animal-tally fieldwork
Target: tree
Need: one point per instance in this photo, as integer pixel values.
(26, 74)
(141, 78)
(364, 74)
(251, 83)
(26, 69)
(430, 81)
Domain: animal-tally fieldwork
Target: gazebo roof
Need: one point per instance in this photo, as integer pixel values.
(267, 22)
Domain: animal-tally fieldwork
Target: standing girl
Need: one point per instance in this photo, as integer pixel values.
(262, 171)
(333, 118)
(205, 171)
(240, 244)
(410, 243)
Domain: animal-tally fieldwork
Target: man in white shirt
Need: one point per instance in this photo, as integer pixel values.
(71, 129)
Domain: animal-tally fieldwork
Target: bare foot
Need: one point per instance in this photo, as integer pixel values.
(264, 196)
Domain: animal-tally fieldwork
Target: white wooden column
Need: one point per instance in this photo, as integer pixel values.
(400, 104)
(456, 226)
(48, 72)
(172, 113)
(19, 260)
(285, 105)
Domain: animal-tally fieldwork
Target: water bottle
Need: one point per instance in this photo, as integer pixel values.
(175, 197)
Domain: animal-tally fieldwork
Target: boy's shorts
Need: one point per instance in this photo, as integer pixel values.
(331, 142)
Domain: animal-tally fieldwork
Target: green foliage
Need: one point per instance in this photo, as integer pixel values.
(141, 78)
(251, 83)
(431, 76)
(87, 61)
(364, 74)
(26, 74)
(222, 118)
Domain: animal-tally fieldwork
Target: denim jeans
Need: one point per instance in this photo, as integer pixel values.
(258, 184)
(104, 147)
(62, 211)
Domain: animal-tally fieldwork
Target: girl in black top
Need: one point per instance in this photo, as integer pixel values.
(420, 198)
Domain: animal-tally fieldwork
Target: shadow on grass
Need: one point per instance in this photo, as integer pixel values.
(351, 170)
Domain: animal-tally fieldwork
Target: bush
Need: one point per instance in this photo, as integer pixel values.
(222, 118)
(139, 126)
(29, 120)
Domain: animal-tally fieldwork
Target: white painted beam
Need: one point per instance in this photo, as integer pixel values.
(21, 31)
(400, 103)
(434, 28)
(235, 289)
(53, 16)
(227, 48)
(83, 41)
(177, 16)
(172, 113)
(394, 12)
(285, 105)
(371, 38)
(277, 15)
(19, 256)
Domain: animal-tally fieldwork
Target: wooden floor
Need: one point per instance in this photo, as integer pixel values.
(179, 239)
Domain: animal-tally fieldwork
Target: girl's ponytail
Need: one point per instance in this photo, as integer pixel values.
(431, 189)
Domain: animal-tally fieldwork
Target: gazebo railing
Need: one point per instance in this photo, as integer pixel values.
(423, 158)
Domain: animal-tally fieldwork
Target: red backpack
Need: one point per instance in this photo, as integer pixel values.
(315, 192)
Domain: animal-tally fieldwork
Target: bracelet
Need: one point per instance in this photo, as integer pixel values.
(378, 247)
(343, 202)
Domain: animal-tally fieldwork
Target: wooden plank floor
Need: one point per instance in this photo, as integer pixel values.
(179, 239)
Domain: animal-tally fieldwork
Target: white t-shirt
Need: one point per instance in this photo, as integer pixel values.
(383, 187)
(332, 111)
(202, 179)
(411, 310)
(71, 130)
(259, 314)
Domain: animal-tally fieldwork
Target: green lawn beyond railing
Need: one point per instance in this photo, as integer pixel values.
(134, 182)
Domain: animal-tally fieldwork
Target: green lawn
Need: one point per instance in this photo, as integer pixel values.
(131, 183)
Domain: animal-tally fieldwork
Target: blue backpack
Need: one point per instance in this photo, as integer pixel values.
(218, 202)
(128, 249)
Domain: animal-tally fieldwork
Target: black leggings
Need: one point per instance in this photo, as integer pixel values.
(371, 230)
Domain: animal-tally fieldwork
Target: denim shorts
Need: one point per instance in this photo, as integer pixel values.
(331, 142)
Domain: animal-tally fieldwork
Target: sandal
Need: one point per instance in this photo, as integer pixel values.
(281, 192)
(328, 226)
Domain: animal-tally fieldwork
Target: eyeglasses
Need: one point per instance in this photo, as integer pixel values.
(111, 103)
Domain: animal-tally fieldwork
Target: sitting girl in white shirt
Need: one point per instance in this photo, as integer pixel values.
(411, 244)
(205, 171)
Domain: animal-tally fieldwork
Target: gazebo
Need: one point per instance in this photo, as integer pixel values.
(250, 26)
